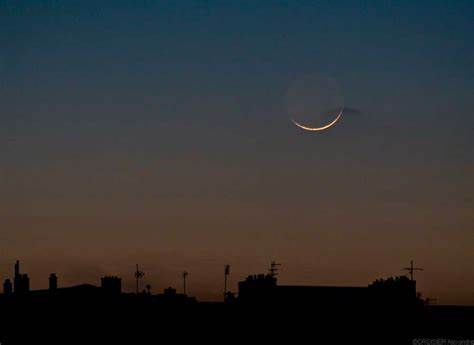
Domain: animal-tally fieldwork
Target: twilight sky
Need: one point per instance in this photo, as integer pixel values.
(157, 132)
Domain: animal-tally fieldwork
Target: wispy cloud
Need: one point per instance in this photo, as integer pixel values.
(350, 110)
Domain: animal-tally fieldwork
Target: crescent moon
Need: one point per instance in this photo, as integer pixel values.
(316, 129)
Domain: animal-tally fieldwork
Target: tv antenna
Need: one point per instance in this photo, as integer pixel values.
(411, 269)
(185, 275)
(273, 269)
(138, 275)
(226, 274)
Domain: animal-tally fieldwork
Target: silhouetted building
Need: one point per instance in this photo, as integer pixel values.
(21, 282)
(169, 292)
(259, 288)
(53, 282)
(170, 296)
(7, 287)
(401, 286)
(263, 289)
(111, 285)
(398, 291)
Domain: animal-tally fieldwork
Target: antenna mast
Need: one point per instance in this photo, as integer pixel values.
(273, 271)
(411, 269)
(226, 274)
(138, 275)
(185, 275)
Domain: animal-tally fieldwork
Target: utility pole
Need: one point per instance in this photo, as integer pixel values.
(226, 274)
(185, 275)
(138, 275)
(411, 269)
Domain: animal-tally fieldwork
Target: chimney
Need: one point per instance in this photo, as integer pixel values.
(17, 268)
(53, 282)
(7, 287)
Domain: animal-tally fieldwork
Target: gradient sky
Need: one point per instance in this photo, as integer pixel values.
(157, 132)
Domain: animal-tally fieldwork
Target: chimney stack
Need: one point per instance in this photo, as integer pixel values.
(53, 282)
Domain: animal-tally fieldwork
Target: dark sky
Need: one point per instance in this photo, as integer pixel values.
(157, 132)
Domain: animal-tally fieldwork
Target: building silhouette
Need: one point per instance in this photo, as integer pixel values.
(171, 297)
(398, 290)
(263, 311)
(111, 285)
(392, 293)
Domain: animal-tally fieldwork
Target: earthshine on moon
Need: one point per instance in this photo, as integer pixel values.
(317, 129)
(315, 102)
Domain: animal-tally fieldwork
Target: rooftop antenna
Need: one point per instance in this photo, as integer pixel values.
(226, 274)
(273, 269)
(411, 269)
(138, 275)
(185, 275)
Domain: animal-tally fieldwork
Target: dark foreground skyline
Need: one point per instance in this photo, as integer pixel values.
(158, 133)
(19, 283)
(262, 311)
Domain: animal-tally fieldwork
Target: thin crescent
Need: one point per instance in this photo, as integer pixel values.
(314, 129)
